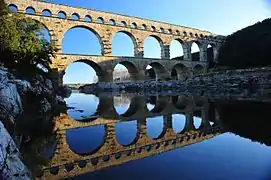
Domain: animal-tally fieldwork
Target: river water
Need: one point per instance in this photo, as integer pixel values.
(162, 138)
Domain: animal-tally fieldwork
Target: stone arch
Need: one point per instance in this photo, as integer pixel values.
(30, 10)
(170, 31)
(198, 69)
(153, 28)
(178, 32)
(134, 25)
(144, 27)
(87, 18)
(131, 36)
(99, 72)
(184, 33)
(179, 72)
(112, 22)
(98, 36)
(13, 8)
(123, 24)
(75, 16)
(211, 55)
(162, 30)
(159, 71)
(62, 15)
(132, 69)
(160, 43)
(177, 49)
(46, 12)
(45, 30)
(197, 51)
(100, 20)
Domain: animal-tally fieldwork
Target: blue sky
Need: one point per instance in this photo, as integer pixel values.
(218, 16)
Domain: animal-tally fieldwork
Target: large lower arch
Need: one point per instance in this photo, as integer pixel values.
(156, 71)
(196, 50)
(153, 47)
(179, 72)
(82, 40)
(124, 44)
(133, 72)
(198, 69)
(176, 50)
(98, 77)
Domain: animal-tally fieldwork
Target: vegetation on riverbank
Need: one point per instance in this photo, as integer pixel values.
(248, 47)
(23, 47)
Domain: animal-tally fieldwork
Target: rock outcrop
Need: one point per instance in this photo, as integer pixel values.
(19, 100)
(10, 108)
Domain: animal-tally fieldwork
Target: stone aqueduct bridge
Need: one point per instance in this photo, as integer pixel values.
(67, 163)
(105, 25)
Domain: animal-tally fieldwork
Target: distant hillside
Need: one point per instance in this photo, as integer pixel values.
(248, 47)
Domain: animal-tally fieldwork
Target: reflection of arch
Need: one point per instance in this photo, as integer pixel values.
(92, 31)
(46, 12)
(159, 70)
(132, 69)
(180, 102)
(13, 8)
(136, 136)
(159, 102)
(178, 123)
(155, 127)
(96, 67)
(179, 72)
(30, 10)
(131, 36)
(198, 69)
(82, 145)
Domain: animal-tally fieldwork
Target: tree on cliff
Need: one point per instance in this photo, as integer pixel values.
(249, 47)
(23, 47)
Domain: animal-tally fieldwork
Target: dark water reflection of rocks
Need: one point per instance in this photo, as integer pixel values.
(160, 137)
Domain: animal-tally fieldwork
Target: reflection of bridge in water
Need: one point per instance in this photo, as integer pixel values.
(67, 163)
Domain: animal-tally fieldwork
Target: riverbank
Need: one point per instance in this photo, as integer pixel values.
(254, 82)
(24, 106)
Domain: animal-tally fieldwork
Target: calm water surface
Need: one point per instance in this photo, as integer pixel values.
(224, 156)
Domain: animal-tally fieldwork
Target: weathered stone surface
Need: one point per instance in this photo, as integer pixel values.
(10, 162)
(10, 101)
